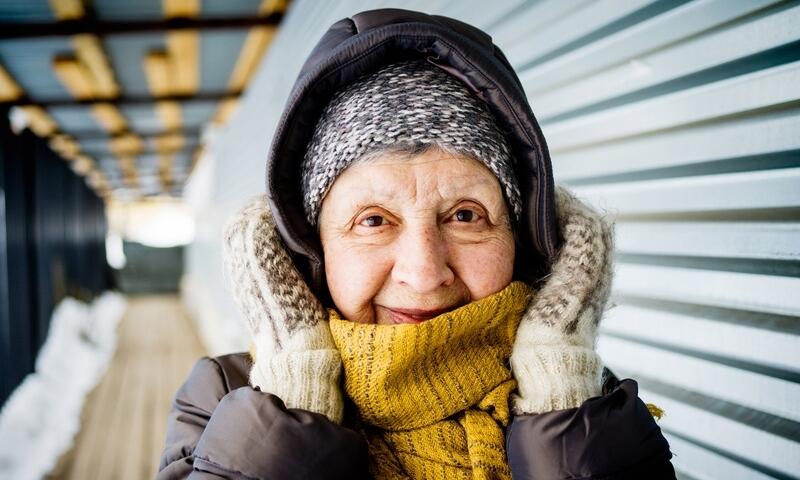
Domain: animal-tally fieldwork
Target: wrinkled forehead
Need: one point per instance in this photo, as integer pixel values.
(423, 180)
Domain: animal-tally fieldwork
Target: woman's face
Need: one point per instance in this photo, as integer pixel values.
(408, 238)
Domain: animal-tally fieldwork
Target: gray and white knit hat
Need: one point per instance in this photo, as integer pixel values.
(410, 103)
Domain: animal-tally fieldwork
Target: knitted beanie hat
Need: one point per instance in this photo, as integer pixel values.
(412, 104)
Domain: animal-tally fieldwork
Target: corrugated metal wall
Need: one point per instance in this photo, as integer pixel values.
(682, 118)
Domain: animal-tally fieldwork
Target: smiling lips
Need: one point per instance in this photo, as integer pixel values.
(414, 316)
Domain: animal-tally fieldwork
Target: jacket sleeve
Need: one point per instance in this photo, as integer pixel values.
(247, 434)
(611, 437)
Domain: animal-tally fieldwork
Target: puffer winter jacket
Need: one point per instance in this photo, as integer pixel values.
(220, 427)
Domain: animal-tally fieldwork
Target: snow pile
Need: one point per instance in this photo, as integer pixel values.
(42, 416)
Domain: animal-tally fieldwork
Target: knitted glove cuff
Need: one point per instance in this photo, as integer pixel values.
(555, 377)
(303, 372)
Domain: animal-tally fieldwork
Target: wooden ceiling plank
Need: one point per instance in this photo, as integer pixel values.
(271, 6)
(253, 49)
(170, 115)
(126, 145)
(90, 53)
(165, 169)
(67, 9)
(65, 146)
(82, 164)
(109, 117)
(74, 76)
(184, 53)
(225, 111)
(9, 88)
(79, 81)
(127, 166)
(156, 69)
(180, 8)
(39, 121)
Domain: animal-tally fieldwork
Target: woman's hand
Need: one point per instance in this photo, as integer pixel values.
(295, 357)
(554, 358)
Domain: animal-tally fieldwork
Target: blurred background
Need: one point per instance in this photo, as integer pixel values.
(130, 130)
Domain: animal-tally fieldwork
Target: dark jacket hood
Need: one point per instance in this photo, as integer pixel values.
(366, 42)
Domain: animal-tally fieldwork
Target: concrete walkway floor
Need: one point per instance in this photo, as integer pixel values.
(124, 419)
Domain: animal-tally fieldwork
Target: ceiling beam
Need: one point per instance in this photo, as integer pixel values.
(81, 135)
(122, 100)
(114, 27)
(103, 153)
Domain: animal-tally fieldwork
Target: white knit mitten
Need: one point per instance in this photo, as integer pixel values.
(554, 359)
(295, 357)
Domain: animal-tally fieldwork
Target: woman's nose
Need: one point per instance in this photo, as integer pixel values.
(421, 260)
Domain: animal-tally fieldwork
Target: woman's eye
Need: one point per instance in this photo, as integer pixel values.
(465, 215)
(373, 221)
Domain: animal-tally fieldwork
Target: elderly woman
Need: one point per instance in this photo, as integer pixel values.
(423, 302)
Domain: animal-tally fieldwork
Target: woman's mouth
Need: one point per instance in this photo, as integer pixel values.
(414, 316)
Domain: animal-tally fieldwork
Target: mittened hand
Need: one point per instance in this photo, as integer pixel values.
(554, 358)
(295, 357)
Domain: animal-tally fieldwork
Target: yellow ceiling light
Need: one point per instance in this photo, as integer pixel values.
(78, 79)
(39, 121)
(253, 50)
(126, 145)
(65, 145)
(170, 115)
(157, 70)
(82, 164)
(180, 8)
(183, 47)
(9, 88)
(225, 110)
(127, 166)
(250, 56)
(74, 76)
(109, 117)
(67, 9)
(165, 171)
(97, 180)
(269, 6)
(90, 53)
(169, 143)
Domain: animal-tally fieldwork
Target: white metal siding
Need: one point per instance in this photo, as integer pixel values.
(682, 118)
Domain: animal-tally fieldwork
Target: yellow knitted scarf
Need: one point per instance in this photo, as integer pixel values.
(432, 399)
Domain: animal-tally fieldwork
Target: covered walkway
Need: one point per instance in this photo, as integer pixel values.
(123, 421)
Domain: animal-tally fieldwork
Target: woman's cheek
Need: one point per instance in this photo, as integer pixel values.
(485, 268)
(355, 275)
